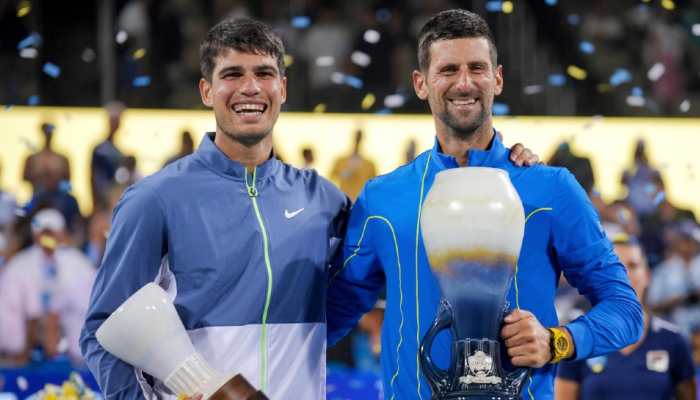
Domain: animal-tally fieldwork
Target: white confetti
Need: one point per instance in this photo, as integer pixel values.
(685, 106)
(656, 71)
(360, 58)
(696, 29)
(636, 101)
(394, 100)
(22, 383)
(325, 61)
(121, 37)
(29, 52)
(532, 89)
(371, 36)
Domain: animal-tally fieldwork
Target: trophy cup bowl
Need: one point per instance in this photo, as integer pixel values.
(472, 224)
(146, 332)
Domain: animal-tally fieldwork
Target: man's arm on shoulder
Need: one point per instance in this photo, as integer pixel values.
(590, 264)
(132, 258)
(355, 277)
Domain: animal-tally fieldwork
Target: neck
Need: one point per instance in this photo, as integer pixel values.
(456, 147)
(250, 156)
(627, 350)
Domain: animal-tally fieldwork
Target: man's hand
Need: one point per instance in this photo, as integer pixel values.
(526, 339)
(520, 155)
(195, 397)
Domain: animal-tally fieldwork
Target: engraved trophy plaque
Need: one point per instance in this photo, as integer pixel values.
(472, 224)
(146, 332)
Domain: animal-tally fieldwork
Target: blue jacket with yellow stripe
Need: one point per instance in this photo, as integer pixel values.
(383, 245)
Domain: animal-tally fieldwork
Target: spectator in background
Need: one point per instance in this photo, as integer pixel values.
(675, 289)
(643, 182)
(44, 293)
(106, 158)
(307, 155)
(577, 165)
(352, 171)
(410, 152)
(658, 366)
(186, 147)
(7, 209)
(46, 164)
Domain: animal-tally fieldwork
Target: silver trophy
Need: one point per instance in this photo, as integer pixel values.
(472, 224)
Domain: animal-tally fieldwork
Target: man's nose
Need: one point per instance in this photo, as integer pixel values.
(250, 86)
(464, 81)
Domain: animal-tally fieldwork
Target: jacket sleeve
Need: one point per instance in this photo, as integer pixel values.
(356, 277)
(589, 263)
(132, 258)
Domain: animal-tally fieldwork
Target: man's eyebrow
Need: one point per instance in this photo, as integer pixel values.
(232, 68)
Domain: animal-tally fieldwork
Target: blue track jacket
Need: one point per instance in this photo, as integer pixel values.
(562, 234)
(245, 258)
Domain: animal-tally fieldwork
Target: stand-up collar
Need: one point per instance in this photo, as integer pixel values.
(215, 159)
(492, 156)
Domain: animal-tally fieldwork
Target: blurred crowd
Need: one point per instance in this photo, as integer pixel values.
(632, 57)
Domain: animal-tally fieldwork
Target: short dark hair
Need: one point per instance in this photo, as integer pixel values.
(453, 24)
(242, 34)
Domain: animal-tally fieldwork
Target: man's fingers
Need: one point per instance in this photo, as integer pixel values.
(516, 315)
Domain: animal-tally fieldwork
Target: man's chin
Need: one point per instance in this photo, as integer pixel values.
(248, 138)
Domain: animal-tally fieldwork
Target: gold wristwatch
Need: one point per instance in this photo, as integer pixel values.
(559, 345)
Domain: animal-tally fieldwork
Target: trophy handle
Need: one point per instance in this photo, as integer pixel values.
(437, 377)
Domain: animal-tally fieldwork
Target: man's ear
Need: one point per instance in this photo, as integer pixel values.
(205, 92)
(499, 80)
(283, 89)
(419, 85)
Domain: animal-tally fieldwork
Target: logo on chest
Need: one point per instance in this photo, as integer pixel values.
(657, 360)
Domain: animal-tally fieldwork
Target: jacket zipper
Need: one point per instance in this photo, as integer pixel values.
(253, 194)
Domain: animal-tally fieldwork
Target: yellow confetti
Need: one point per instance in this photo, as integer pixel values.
(368, 101)
(48, 242)
(576, 72)
(139, 54)
(597, 368)
(320, 108)
(288, 60)
(23, 8)
(507, 7)
(603, 87)
(668, 4)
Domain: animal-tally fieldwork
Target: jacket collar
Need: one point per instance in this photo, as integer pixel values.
(215, 159)
(491, 157)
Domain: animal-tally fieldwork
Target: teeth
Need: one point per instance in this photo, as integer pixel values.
(248, 107)
(467, 102)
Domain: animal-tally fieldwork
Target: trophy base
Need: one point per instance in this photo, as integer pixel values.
(238, 388)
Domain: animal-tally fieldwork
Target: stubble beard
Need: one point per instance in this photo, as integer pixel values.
(248, 139)
(463, 132)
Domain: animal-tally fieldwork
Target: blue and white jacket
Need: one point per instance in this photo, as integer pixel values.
(383, 245)
(245, 258)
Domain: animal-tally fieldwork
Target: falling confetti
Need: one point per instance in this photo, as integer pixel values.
(532, 89)
(586, 47)
(325, 61)
(121, 37)
(34, 39)
(337, 78)
(685, 106)
(550, 2)
(29, 53)
(22, 383)
(23, 8)
(368, 101)
(384, 111)
(320, 108)
(394, 101)
(371, 36)
(33, 100)
(360, 58)
(635, 101)
(51, 70)
(88, 55)
(288, 60)
(353, 81)
(637, 91)
(494, 6)
(141, 81)
(500, 109)
(668, 5)
(620, 76)
(140, 53)
(573, 19)
(507, 7)
(557, 80)
(656, 71)
(696, 29)
(301, 22)
(576, 72)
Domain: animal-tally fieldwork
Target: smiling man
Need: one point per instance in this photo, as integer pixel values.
(239, 240)
(459, 77)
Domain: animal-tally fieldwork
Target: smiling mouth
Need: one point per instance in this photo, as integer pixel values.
(249, 109)
(463, 102)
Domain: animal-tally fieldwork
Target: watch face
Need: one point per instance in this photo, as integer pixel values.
(561, 344)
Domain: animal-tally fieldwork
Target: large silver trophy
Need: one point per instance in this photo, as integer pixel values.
(472, 224)
(146, 332)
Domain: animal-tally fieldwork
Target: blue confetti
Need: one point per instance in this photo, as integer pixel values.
(586, 47)
(383, 15)
(494, 6)
(500, 109)
(65, 186)
(659, 198)
(384, 111)
(33, 100)
(557, 80)
(550, 2)
(620, 76)
(34, 39)
(52, 70)
(301, 22)
(573, 19)
(141, 81)
(353, 81)
(637, 91)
